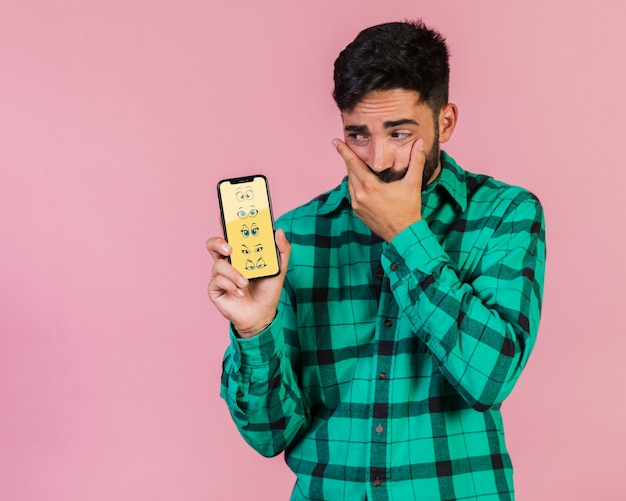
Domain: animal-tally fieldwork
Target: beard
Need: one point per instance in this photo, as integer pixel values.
(431, 163)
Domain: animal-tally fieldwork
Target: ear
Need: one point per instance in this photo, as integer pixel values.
(448, 117)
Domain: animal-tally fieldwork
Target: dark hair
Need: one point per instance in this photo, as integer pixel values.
(401, 55)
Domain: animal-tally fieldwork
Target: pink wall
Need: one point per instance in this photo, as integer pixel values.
(116, 121)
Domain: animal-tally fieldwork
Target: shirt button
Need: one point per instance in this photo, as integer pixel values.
(379, 429)
(380, 275)
(239, 394)
(383, 376)
(388, 323)
(378, 482)
(394, 267)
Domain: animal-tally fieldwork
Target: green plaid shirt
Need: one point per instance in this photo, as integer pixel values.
(383, 374)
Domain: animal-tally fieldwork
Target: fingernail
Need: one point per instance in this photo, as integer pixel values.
(226, 248)
(420, 144)
(239, 293)
(242, 282)
(335, 143)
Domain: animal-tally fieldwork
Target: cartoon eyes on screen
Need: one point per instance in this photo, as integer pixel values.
(259, 264)
(246, 250)
(242, 214)
(244, 194)
(250, 231)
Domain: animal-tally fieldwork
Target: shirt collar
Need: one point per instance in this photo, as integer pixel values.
(451, 179)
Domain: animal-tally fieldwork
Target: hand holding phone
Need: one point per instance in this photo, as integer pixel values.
(248, 225)
(249, 305)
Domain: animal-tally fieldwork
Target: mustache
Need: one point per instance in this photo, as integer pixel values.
(390, 175)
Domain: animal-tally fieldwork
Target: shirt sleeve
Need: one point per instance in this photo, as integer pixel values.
(261, 389)
(481, 331)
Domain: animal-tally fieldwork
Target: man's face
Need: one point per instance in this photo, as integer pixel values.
(382, 128)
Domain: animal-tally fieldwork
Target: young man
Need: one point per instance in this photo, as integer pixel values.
(408, 304)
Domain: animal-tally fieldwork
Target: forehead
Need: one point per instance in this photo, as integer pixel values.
(386, 105)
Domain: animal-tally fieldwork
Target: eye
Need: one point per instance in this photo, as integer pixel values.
(400, 134)
(241, 214)
(261, 263)
(258, 248)
(254, 230)
(358, 138)
(249, 195)
(245, 250)
(253, 212)
(249, 265)
(245, 231)
(241, 196)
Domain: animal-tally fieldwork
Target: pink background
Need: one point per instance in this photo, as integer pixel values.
(116, 121)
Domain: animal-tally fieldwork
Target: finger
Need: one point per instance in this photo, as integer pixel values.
(416, 162)
(225, 269)
(221, 285)
(344, 150)
(354, 164)
(357, 169)
(218, 248)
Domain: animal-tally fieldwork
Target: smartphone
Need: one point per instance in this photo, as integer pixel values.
(248, 224)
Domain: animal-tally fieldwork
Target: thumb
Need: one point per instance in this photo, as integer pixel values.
(284, 248)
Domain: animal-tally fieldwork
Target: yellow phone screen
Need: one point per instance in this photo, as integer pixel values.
(248, 226)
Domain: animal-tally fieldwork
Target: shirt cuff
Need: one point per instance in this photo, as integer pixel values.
(256, 350)
(415, 250)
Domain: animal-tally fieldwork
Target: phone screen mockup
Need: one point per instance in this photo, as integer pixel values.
(248, 225)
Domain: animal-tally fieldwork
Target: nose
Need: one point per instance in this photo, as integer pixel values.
(380, 156)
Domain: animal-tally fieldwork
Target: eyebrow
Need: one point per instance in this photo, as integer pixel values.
(356, 128)
(402, 121)
(387, 125)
